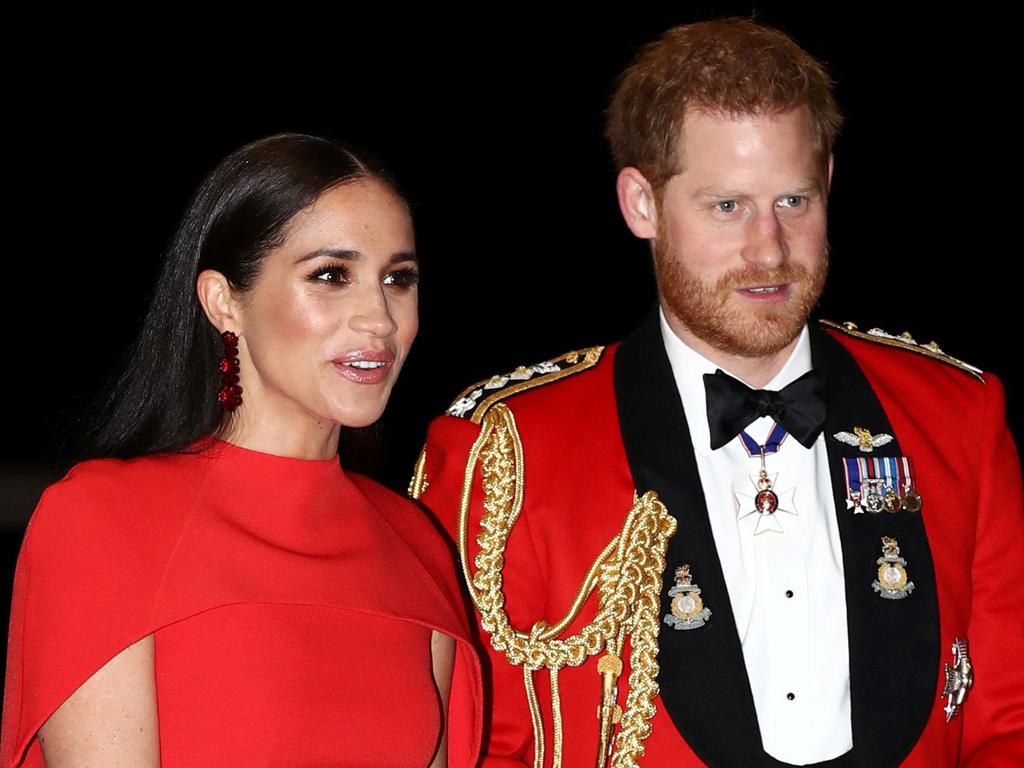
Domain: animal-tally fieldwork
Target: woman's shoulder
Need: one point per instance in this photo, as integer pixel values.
(97, 475)
(410, 522)
(389, 502)
(113, 503)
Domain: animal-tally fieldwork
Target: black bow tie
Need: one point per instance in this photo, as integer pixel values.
(799, 407)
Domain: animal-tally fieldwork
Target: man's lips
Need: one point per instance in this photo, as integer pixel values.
(765, 294)
(365, 366)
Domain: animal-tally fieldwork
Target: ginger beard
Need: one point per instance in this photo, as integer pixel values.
(713, 314)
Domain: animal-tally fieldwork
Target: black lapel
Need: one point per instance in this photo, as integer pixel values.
(703, 679)
(894, 644)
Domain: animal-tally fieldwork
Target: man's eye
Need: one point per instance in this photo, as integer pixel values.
(402, 278)
(726, 206)
(792, 201)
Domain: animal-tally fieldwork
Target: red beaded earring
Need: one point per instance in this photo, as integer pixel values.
(230, 394)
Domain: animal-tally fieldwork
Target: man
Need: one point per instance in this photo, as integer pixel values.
(835, 524)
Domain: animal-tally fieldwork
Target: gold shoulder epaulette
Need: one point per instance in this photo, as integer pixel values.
(474, 401)
(907, 342)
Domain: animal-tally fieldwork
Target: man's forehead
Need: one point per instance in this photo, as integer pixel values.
(714, 136)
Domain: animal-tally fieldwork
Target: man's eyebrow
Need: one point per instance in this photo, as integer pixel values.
(803, 186)
(717, 192)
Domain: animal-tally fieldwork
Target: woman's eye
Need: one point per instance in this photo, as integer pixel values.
(402, 278)
(726, 206)
(331, 274)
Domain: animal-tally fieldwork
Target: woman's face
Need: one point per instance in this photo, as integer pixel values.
(325, 329)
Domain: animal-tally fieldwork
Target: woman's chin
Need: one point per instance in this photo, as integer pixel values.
(358, 417)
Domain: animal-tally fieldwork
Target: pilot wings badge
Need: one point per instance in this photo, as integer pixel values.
(863, 439)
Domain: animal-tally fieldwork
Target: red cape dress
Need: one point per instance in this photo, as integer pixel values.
(292, 606)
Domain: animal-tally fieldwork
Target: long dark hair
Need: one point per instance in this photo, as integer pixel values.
(165, 397)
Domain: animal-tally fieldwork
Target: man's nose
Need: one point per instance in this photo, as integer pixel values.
(766, 241)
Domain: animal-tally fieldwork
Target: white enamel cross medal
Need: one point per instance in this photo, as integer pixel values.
(765, 502)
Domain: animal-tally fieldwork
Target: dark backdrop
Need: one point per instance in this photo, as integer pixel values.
(494, 126)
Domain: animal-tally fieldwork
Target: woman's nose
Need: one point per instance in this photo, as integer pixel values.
(372, 314)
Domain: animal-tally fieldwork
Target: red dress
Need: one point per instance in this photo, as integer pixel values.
(291, 604)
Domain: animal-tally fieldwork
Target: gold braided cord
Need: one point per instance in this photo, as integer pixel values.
(535, 718)
(627, 575)
(643, 674)
(556, 720)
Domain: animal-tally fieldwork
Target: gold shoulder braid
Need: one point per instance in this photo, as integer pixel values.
(474, 401)
(627, 574)
(904, 341)
(418, 482)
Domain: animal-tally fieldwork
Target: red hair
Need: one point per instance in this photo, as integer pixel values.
(733, 67)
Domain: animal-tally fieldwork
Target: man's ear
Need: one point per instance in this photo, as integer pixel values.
(638, 203)
(219, 301)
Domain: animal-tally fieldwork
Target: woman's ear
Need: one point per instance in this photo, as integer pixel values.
(219, 301)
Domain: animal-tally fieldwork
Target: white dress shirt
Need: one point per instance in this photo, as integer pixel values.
(787, 589)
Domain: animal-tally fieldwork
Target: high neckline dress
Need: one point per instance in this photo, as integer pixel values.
(292, 605)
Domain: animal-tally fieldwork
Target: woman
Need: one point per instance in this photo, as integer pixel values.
(213, 588)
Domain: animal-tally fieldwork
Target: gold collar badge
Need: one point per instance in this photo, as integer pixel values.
(892, 582)
(688, 611)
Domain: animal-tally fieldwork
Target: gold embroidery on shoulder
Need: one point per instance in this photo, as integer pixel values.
(419, 483)
(907, 342)
(475, 401)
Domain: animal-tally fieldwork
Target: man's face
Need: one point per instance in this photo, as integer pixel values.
(741, 253)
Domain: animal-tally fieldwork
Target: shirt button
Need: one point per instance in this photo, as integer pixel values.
(790, 696)
(789, 593)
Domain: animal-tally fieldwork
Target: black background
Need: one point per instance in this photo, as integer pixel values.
(493, 122)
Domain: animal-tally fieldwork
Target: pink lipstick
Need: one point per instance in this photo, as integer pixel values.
(365, 366)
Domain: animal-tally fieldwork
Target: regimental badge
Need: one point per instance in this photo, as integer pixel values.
(959, 679)
(880, 484)
(892, 582)
(688, 610)
(863, 439)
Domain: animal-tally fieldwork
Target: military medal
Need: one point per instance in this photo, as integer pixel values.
(892, 582)
(873, 500)
(880, 484)
(688, 611)
(765, 501)
(856, 496)
(911, 499)
(891, 501)
(959, 679)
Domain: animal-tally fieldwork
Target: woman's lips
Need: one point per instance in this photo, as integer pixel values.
(365, 366)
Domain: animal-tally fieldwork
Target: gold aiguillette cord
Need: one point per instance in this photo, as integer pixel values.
(627, 575)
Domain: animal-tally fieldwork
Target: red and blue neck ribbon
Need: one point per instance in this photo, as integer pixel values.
(771, 445)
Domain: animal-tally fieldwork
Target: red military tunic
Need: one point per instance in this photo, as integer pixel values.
(594, 434)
